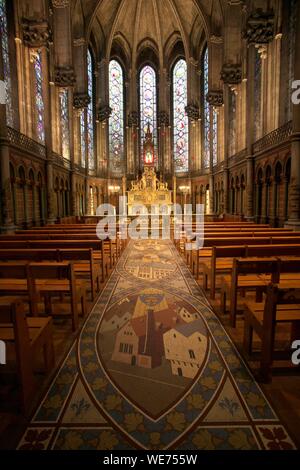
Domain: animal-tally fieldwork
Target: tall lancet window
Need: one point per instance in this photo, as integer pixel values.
(148, 104)
(232, 122)
(90, 113)
(64, 122)
(116, 121)
(206, 111)
(257, 95)
(215, 137)
(180, 119)
(39, 100)
(6, 63)
(83, 138)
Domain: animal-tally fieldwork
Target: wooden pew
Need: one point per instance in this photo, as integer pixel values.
(49, 279)
(30, 336)
(251, 274)
(85, 264)
(96, 245)
(221, 261)
(280, 306)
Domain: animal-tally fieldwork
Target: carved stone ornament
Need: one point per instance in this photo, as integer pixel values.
(163, 118)
(192, 112)
(36, 33)
(260, 27)
(60, 3)
(81, 100)
(64, 76)
(231, 74)
(215, 98)
(133, 119)
(104, 113)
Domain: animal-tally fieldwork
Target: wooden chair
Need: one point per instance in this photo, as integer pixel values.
(280, 306)
(246, 275)
(56, 279)
(30, 336)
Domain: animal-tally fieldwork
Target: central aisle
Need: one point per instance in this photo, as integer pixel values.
(154, 369)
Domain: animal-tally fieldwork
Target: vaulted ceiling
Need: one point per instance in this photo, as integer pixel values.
(137, 24)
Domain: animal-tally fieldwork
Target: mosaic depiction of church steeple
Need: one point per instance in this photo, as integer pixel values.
(154, 369)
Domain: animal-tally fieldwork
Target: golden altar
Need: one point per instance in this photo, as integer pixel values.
(150, 192)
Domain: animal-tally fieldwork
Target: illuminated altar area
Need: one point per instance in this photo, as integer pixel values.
(149, 191)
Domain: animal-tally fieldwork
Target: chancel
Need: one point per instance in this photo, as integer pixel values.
(148, 339)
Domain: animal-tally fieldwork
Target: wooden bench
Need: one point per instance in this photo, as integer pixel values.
(56, 279)
(251, 274)
(221, 261)
(30, 336)
(280, 306)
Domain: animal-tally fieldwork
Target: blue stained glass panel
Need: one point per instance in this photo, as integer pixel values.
(64, 122)
(6, 63)
(148, 105)
(90, 114)
(116, 121)
(39, 100)
(180, 119)
(206, 112)
(83, 138)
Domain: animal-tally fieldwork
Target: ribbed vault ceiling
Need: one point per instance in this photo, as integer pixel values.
(138, 23)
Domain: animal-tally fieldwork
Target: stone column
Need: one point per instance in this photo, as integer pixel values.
(103, 114)
(294, 197)
(250, 136)
(7, 225)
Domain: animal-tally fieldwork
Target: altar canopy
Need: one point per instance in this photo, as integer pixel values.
(150, 192)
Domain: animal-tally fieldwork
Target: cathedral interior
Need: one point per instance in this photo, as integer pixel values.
(127, 344)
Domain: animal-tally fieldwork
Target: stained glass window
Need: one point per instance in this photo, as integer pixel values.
(215, 137)
(180, 119)
(206, 112)
(6, 63)
(90, 113)
(148, 104)
(64, 122)
(83, 138)
(257, 95)
(232, 122)
(116, 121)
(39, 100)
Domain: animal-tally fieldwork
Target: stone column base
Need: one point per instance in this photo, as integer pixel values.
(294, 224)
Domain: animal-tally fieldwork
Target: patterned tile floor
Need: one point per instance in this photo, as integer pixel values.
(154, 369)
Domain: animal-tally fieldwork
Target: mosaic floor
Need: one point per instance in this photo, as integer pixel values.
(154, 369)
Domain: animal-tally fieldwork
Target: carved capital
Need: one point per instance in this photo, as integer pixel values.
(36, 33)
(260, 27)
(81, 100)
(163, 118)
(192, 111)
(104, 113)
(60, 3)
(215, 97)
(133, 119)
(64, 76)
(231, 74)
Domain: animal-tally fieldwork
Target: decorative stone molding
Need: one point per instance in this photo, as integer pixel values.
(231, 74)
(163, 118)
(133, 119)
(60, 3)
(104, 113)
(215, 98)
(192, 111)
(216, 39)
(78, 42)
(36, 33)
(64, 76)
(81, 100)
(260, 27)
